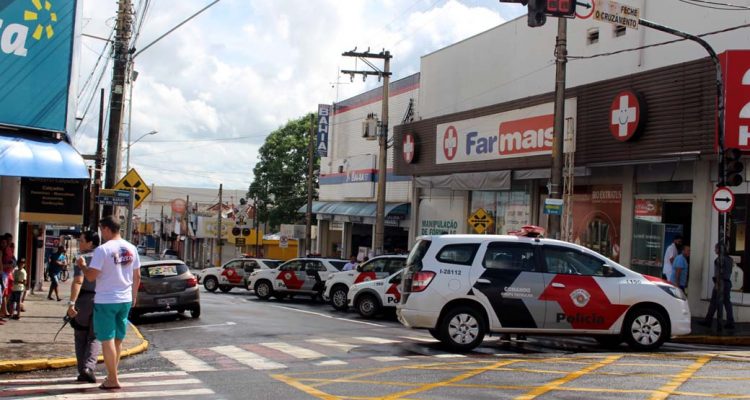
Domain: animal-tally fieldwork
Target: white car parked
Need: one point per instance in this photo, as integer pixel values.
(337, 285)
(234, 273)
(370, 298)
(296, 276)
(462, 286)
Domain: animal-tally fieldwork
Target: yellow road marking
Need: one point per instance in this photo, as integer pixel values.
(455, 379)
(362, 375)
(540, 390)
(713, 395)
(307, 389)
(668, 389)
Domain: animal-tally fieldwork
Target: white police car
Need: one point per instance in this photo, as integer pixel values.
(337, 285)
(369, 298)
(234, 273)
(296, 276)
(460, 287)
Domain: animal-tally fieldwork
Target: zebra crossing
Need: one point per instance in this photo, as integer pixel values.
(280, 355)
(155, 384)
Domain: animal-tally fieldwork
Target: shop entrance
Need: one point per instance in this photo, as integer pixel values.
(679, 213)
(657, 222)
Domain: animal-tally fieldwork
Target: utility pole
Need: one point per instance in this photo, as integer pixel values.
(556, 174)
(385, 74)
(123, 31)
(721, 170)
(218, 226)
(98, 164)
(310, 171)
(161, 231)
(188, 240)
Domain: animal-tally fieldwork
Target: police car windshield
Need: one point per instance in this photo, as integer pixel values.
(417, 253)
(272, 264)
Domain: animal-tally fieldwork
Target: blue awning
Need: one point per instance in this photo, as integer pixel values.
(356, 208)
(39, 157)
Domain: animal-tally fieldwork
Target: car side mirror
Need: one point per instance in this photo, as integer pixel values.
(359, 268)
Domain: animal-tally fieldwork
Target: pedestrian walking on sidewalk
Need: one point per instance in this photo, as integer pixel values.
(56, 264)
(115, 267)
(81, 311)
(721, 299)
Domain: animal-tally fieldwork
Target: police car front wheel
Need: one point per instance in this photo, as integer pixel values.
(462, 328)
(646, 329)
(263, 290)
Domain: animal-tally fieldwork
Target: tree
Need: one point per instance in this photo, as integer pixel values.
(279, 185)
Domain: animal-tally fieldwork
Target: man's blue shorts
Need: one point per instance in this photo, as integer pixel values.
(111, 320)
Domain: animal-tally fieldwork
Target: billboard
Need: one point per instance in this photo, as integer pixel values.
(36, 49)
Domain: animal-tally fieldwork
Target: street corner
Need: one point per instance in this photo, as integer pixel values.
(136, 345)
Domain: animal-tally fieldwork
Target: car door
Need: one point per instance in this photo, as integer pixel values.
(512, 282)
(291, 277)
(375, 269)
(574, 294)
(315, 273)
(232, 274)
(248, 266)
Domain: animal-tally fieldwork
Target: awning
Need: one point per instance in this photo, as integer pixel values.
(356, 208)
(34, 157)
(490, 180)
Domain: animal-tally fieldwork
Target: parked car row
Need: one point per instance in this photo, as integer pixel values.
(463, 287)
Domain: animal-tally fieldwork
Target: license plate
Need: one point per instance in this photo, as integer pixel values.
(166, 301)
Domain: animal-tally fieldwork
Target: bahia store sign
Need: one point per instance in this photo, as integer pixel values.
(517, 133)
(36, 48)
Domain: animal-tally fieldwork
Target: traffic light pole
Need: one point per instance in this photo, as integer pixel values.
(556, 174)
(722, 167)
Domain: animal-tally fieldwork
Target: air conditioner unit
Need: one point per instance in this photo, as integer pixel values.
(370, 129)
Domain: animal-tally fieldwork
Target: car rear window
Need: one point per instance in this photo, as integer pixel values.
(163, 270)
(418, 252)
(462, 254)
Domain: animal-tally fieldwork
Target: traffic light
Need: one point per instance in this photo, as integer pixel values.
(733, 167)
(561, 8)
(537, 16)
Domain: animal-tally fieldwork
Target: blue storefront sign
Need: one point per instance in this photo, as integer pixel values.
(324, 118)
(36, 47)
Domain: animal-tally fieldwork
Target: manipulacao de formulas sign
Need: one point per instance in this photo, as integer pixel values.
(36, 47)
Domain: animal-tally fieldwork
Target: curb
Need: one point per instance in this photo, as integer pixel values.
(54, 363)
(717, 340)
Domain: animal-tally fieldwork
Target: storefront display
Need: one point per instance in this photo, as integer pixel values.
(509, 210)
(596, 222)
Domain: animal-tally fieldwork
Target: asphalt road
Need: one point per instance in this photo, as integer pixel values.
(244, 348)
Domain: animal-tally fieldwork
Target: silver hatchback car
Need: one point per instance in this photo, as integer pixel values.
(167, 285)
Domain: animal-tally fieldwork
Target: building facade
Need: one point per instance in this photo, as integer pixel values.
(348, 176)
(640, 131)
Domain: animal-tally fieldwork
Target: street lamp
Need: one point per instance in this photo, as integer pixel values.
(130, 144)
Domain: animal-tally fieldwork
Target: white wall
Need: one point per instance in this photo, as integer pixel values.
(513, 61)
(346, 141)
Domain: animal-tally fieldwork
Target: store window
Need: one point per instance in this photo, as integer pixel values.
(656, 223)
(739, 242)
(509, 210)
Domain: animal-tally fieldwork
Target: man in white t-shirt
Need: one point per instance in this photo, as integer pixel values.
(672, 251)
(115, 267)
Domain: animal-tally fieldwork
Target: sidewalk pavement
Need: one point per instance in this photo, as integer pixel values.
(27, 344)
(738, 336)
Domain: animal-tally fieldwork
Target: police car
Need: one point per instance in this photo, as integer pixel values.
(296, 276)
(234, 273)
(460, 287)
(337, 285)
(369, 298)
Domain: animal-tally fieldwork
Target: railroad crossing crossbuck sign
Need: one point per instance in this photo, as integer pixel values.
(133, 180)
(480, 221)
(723, 199)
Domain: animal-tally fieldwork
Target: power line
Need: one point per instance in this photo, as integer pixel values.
(734, 28)
(716, 5)
(260, 135)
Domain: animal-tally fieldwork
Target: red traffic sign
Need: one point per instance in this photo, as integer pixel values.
(723, 199)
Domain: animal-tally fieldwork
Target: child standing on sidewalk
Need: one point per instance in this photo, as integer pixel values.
(19, 286)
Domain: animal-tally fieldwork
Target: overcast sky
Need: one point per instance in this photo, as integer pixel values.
(216, 87)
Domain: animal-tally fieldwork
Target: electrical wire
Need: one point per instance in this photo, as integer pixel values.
(98, 60)
(715, 5)
(611, 53)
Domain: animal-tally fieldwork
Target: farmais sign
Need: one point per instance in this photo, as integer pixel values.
(36, 47)
(516, 133)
